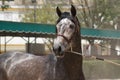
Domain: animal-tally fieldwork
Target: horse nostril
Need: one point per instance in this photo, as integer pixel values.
(54, 50)
(59, 49)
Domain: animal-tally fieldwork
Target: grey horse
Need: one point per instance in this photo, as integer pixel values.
(59, 66)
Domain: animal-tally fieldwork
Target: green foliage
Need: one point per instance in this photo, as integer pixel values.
(100, 13)
(5, 6)
(44, 15)
(97, 14)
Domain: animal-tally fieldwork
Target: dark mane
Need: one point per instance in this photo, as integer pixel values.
(66, 15)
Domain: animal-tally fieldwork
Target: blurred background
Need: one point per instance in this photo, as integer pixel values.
(95, 14)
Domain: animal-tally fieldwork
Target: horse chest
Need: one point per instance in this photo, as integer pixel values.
(60, 72)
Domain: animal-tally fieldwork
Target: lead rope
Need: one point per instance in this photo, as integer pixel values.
(94, 57)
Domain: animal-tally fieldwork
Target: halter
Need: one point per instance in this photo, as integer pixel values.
(68, 40)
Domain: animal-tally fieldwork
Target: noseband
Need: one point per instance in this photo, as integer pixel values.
(68, 40)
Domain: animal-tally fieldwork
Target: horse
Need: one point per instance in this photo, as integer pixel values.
(68, 38)
(60, 65)
(24, 66)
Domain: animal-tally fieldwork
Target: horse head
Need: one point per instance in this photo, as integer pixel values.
(66, 27)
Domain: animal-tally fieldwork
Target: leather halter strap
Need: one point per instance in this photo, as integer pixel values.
(68, 40)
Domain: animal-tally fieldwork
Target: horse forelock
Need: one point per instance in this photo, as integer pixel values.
(65, 15)
(71, 18)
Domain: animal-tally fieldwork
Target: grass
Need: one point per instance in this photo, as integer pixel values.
(94, 69)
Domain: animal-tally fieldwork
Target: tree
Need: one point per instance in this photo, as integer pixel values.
(44, 14)
(4, 6)
(101, 14)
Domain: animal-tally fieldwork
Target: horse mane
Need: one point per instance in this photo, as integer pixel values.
(65, 15)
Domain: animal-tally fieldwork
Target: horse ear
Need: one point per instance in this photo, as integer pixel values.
(58, 11)
(73, 11)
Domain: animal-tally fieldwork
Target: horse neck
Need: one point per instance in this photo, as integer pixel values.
(73, 62)
(76, 42)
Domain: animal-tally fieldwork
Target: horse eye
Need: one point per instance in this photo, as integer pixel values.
(71, 26)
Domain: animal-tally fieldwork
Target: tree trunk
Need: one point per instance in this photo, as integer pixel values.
(113, 47)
